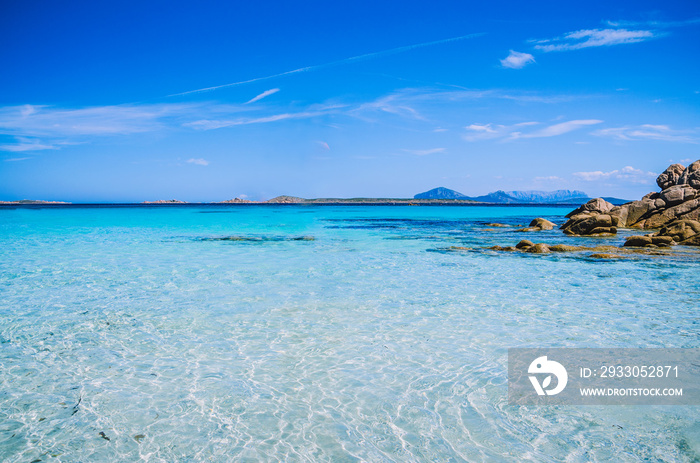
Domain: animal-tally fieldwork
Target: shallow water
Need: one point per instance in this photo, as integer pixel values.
(324, 333)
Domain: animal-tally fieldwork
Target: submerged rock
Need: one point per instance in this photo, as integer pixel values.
(638, 241)
(566, 248)
(604, 256)
(258, 239)
(503, 248)
(539, 248)
(538, 224)
(524, 244)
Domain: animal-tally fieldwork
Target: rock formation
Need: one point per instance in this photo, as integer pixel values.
(678, 200)
(592, 219)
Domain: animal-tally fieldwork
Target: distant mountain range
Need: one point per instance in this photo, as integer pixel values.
(517, 197)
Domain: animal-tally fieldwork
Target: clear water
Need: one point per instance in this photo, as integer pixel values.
(130, 334)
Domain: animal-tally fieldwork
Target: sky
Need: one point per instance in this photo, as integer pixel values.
(131, 101)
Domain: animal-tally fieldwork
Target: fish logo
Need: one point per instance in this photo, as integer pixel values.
(550, 367)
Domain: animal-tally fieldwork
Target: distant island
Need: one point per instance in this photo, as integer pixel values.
(436, 196)
(31, 201)
(517, 197)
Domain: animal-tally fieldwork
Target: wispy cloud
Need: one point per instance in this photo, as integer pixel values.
(263, 95)
(650, 132)
(517, 60)
(27, 144)
(425, 152)
(36, 127)
(398, 103)
(594, 38)
(562, 128)
(351, 59)
(323, 145)
(198, 161)
(477, 132)
(627, 174)
(208, 124)
(41, 121)
(652, 23)
(15, 159)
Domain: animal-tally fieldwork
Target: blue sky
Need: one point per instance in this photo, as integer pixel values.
(206, 101)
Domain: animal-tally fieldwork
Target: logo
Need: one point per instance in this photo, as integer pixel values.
(543, 366)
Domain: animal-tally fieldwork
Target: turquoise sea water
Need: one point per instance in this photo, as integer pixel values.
(136, 333)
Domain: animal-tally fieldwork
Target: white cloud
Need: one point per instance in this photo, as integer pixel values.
(15, 159)
(425, 152)
(649, 132)
(479, 132)
(481, 128)
(626, 174)
(323, 145)
(594, 38)
(198, 161)
(517, 60)
(263, 95)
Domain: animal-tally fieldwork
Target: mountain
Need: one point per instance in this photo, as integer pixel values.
(498, 197)
(440, 193)
(544, 197)
(517, 197)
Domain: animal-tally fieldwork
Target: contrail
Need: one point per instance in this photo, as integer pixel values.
(375, 54)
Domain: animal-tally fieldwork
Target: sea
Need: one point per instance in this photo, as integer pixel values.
(319, 333)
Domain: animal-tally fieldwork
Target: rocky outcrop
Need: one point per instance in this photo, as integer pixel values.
(670, 176)
(596, 205)
(682, 231)
(538, 224)
(691, 176)
(679, 199)
(592, 219)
